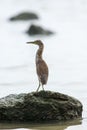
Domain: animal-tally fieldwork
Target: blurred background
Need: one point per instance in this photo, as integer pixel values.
(63, 26)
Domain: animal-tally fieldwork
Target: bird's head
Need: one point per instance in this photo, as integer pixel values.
(36, 42)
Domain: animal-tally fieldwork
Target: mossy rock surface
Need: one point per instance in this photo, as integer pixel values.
(39, 106)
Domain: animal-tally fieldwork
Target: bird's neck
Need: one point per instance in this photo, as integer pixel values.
(39, 52)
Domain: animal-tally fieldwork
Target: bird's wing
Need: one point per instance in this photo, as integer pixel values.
(42, 71)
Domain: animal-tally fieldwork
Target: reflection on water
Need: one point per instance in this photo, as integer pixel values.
(79, 127)
(44, 126)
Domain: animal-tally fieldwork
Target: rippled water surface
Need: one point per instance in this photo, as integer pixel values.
(65, 53)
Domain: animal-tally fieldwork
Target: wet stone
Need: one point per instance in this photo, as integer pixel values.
(39, 106)
(24, 16)
(38, 30)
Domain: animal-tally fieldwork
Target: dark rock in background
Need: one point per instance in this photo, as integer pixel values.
(37, 30)
(24, 16)
(33, 29)
(39, 106)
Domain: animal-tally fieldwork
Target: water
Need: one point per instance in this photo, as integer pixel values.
(44, 126)
(65, 52)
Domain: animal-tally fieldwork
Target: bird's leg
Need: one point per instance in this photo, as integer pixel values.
(38, 86)
(42, 87)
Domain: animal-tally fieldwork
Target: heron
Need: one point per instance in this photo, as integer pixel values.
(41, 66)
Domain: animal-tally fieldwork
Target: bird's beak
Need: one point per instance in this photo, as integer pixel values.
(30, 42)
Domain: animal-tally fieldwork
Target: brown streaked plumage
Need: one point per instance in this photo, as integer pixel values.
(41, 66)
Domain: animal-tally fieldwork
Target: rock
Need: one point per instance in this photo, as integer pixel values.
(37, 30)
(39, 106)
(24, 16)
